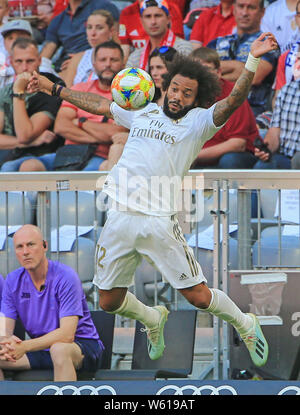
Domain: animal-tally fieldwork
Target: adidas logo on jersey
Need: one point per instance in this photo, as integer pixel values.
(146, 114)
(134, 33)
(183, 276)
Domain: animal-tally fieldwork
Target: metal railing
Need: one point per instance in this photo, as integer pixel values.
(41, 199)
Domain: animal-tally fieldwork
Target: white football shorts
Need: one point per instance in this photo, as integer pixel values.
(128, 237)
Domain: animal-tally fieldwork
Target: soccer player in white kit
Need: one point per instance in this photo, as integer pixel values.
(142, 222)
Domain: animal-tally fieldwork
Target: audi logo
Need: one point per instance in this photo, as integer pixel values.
(168, 389)
(76, 390)
(214, 390)
(290, 389)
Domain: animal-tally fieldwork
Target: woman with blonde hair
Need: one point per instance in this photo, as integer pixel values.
(100, 27)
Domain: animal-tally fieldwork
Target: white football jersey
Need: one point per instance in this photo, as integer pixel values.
(157, 155)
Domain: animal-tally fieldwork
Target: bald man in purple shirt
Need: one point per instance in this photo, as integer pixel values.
(48, 298)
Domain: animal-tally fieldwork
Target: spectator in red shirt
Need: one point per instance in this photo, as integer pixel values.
(131, 30)
(212, 23)
(155, 18)
(232, 146)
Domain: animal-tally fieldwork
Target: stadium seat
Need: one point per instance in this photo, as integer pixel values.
(85, 268)
(205, 258)
(104, 323)
(268, 198)
(17, 208)
(145, 284)
(177, 360)
(87, 210)
(8, 259)
(205, 207)
(270, 252)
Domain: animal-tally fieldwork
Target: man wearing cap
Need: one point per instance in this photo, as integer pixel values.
(155, 18)
(11, 31)
(131, 31)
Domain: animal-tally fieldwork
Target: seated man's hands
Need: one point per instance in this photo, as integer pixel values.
(10, 350)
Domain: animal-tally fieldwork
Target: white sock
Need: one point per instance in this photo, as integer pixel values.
(135, 309)
(223, 307)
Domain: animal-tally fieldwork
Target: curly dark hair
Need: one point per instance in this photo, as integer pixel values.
(208, 83)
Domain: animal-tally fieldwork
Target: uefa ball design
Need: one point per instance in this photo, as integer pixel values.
(132, 88)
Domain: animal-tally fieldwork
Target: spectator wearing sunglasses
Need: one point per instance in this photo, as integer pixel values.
(155, 18)
(159, 61)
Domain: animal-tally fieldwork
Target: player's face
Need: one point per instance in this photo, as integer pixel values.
(180, 97)
(97, 30)
(29, 249)
(107, 63)
(248, 15)
(157, 68)
(155, 21)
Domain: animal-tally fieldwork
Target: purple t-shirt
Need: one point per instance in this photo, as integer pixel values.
(40, 311)
(1, 288)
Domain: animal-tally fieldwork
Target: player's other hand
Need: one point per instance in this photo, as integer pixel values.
(265, 43)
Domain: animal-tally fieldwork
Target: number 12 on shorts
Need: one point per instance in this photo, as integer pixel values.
(100, 254)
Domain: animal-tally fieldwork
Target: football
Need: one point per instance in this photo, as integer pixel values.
(132, 88)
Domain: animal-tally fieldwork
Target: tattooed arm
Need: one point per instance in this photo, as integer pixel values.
(87, 101)
(224, 108)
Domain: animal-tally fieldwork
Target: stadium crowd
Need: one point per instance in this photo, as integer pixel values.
(66, 34)
(83, 44)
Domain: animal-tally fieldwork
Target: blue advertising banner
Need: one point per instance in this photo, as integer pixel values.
(171, 387)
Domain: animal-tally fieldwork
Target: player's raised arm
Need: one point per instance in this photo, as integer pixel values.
(266, 42)
(87, 101)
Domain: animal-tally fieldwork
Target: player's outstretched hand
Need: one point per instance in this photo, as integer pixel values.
(263, 44)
